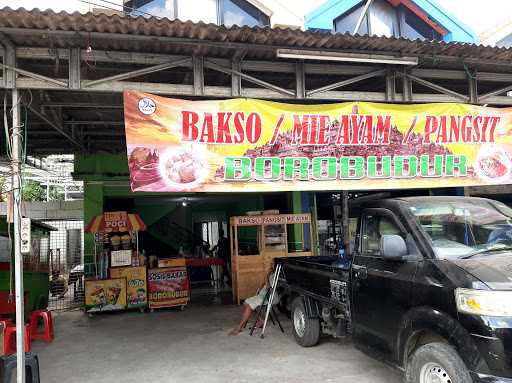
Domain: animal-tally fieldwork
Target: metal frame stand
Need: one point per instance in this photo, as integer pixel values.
(270, 312)
(273, 316)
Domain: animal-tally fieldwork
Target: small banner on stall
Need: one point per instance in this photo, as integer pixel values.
(115, 221)
(271, 219)
(252, 145)
(105, 295)
(136, 286)
(168, 287)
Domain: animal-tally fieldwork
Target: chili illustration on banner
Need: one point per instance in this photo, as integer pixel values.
(253, 145)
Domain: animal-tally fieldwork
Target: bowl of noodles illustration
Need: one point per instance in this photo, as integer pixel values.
(493, 164)
(183, 168)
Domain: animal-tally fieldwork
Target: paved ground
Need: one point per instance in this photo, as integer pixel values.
(192, 346)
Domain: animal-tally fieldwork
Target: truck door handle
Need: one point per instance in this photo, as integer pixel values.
(360, 272)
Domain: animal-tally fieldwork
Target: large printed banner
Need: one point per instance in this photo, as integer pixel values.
(252, 145)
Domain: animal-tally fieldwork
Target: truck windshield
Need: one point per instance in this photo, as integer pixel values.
(465, 228)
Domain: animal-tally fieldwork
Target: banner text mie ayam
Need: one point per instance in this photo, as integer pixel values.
(352, 129)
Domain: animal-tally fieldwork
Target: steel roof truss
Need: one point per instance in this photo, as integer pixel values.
(138, 72)
(349, 81)
(35, 76)
(34, 108)
(264, 84)
(496, 92)
(439, 88)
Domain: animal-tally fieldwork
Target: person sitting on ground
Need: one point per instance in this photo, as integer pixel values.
(253, 303)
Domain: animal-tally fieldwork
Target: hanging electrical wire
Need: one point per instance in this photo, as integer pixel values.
(89, 50)
(20, 133)
(25, 130)
(6, 129)
(132, 9)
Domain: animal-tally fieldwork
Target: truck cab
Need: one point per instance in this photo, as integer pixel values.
(428, 288)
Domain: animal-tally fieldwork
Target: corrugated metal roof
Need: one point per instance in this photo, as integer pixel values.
(116, 32)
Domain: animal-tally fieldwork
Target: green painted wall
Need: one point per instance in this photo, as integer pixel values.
(93, 206)
(100, 167)
(106, 176)
(152, 213)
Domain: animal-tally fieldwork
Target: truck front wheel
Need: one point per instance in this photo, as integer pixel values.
(305, 330)
(436, 362)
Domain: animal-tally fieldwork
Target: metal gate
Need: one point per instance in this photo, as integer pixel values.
(66, 265)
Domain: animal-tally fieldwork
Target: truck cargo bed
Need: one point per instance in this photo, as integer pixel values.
(322, 278)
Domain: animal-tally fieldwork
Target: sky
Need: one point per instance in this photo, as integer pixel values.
(480, 15)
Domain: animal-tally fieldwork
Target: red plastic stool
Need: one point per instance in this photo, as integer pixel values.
(10, 339)
(47, 332)
(6, 322)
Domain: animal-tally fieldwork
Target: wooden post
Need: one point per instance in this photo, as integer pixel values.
(313, 246)
(286, 239)
(302, 236)
(235, 257)
(313, 226)
(333, 222)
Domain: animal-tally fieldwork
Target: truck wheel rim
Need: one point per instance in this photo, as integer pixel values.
(434, 373)
(299, 322)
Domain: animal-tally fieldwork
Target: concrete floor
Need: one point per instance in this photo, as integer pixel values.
(192, 346)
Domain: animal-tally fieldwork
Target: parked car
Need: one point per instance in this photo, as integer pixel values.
(428, 289)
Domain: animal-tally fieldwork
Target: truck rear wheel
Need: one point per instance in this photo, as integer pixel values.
(305, 330)
(436, 362)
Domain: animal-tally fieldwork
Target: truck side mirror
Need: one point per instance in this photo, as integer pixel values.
(392, 246)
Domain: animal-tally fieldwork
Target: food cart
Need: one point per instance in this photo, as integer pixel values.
(118, 280)
(257, 239)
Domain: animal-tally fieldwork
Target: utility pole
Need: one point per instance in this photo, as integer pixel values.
(18, 260)
(10, 83)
